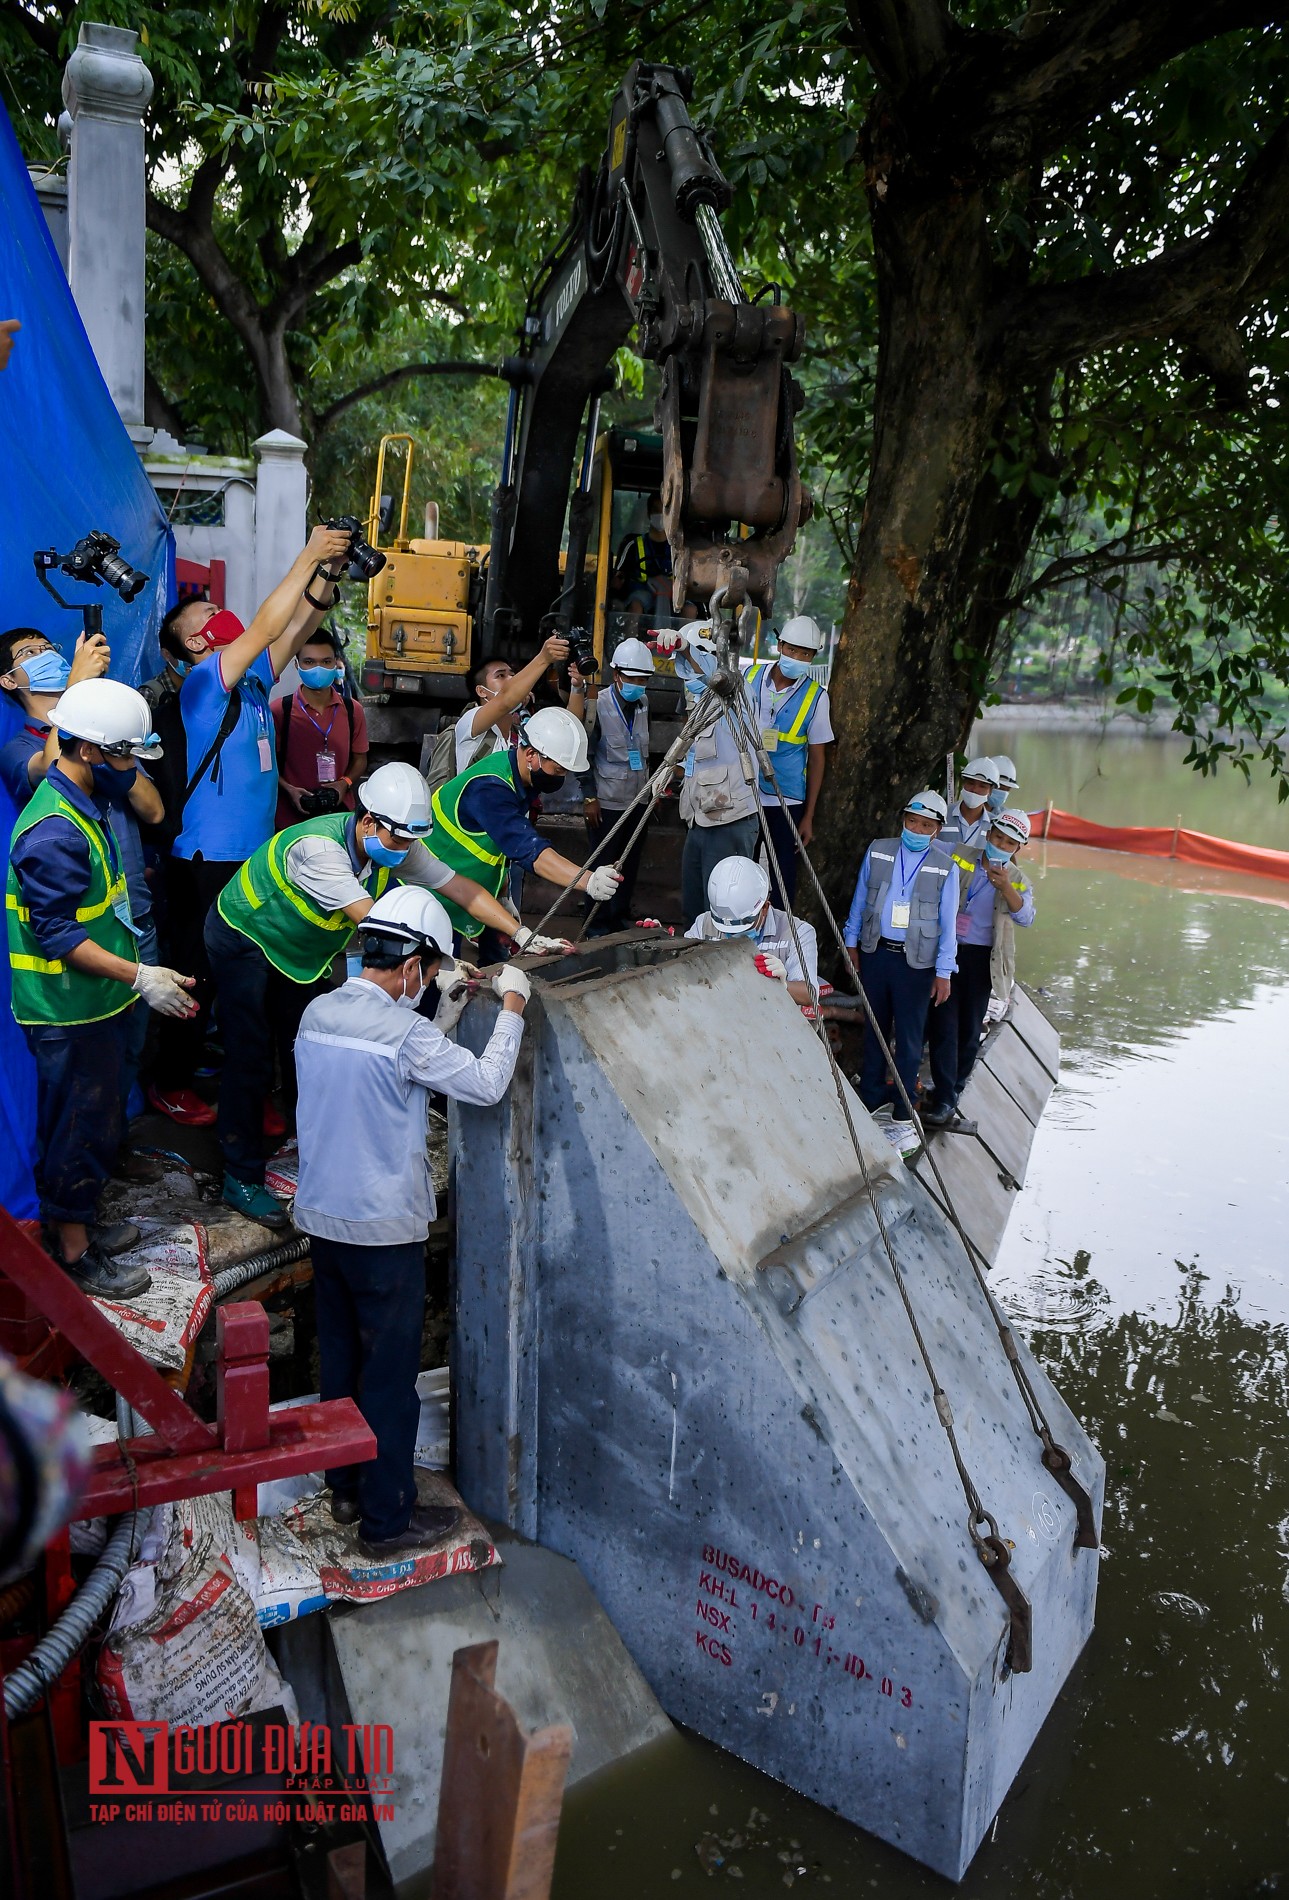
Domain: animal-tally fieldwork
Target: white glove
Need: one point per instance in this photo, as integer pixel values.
(770, 965)
(534, 946)
(451, 984)
(164, 990)
(511, 982)
(602, 883)
(671, 640)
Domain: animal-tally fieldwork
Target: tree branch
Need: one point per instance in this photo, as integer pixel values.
(904, 41)
(1006, 98)
(1079, 567)
(325, 417)
(310, 272)
(43, 34)
(1205, 281)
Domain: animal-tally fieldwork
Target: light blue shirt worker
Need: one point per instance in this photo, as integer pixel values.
(978, 904)
(907, 866)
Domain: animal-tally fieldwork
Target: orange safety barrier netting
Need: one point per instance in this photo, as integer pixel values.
(1161, 841)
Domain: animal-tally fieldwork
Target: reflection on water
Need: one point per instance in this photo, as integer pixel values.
(1146, 1262)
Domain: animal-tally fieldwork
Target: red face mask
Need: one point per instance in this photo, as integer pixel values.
(222, 629)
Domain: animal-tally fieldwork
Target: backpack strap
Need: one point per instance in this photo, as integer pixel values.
(232, 713)
(284, 733)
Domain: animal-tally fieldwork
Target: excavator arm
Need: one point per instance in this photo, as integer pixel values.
(644, 250)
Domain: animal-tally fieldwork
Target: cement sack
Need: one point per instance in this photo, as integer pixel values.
(163, 1323)
(282, 1172)
(188, 1648)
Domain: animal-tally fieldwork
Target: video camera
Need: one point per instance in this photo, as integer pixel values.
(364, 561)
(95, 558)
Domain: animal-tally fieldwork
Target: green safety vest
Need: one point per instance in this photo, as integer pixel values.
(47, 989)
(297, 936)
(470, 853)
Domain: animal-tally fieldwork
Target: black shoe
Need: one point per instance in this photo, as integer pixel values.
(430, 1524)
(345, 1510)
(118, 1238)
(103, 1279)
(933, 1116)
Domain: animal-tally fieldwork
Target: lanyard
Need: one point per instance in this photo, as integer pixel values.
(906, 882)
(325, 737)
(629, 725)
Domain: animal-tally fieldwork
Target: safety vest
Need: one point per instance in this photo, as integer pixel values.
(789, 751)
(1002, 954)
(922, 936)
(620, 732)
(47, 989)
(297, 936)
(470, 853)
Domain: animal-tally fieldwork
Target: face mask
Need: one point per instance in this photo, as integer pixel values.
(547, 781)
(996, 800)
(973, 800)
(996, 856)
(319, 675)
(632, 694)
(222, 628)
(409, 1002)
(107, 780)
(656, 524)
(381, 853)
(47, 672)
(182, 667)
(793, 669)
(915, 841)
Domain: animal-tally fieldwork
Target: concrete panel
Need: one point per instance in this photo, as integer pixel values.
(1010, 1062)
(978, 1189)
(1034, 1029)
(559, 1660)
(681, 1358)
(1005, 1129)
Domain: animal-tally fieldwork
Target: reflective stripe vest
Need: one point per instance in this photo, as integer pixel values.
(922, 937)
(297, 936)
(790, 722)
(48, 989)
(620, 731)
(470, 853)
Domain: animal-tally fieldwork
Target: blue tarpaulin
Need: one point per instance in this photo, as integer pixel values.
(66, 465)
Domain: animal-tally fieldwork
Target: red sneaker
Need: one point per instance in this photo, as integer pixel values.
(274, 1123)
(184, 1106)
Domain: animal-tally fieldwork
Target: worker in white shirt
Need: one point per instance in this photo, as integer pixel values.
(967, 825)
(792, 712)
(367, 1062)
(738, 905)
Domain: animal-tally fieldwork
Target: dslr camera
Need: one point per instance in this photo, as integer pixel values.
(582, 651)
(96, 558)
(316, 804)
(364, 561)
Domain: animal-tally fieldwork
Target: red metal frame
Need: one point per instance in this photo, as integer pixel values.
(193, 579)
(186, 1457)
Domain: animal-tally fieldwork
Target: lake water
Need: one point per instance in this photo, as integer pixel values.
(1148, 1264)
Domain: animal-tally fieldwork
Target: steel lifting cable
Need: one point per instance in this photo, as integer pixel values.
(990, 1546)
(1056, 1460)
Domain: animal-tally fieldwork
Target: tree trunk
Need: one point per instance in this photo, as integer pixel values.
(900, 685)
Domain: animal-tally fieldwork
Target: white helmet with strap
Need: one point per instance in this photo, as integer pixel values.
(632, 656)
(408, 915)
(928, 804)
(1006, 771)
(802, 631)
(397, 795)
(557, 735)
(107, 714)
(736, 893)
(984, 768)
(1012, 822)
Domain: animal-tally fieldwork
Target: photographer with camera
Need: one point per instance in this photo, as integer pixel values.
(223, 799)
(321, 736)
(499, 696)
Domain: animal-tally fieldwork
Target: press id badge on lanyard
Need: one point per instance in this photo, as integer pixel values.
(900, 914)
(325, 763)
(633, 759)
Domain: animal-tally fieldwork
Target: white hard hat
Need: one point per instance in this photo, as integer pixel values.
(802, 631)
(632, 656)
(1013, 822)
(557, 735)
(736, 894)
(1006, 771)
(410, 915)
(103, 712)
(929, 805)
(986, 769)
(397, 795)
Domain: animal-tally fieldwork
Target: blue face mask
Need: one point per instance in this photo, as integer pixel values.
(996, 800)
(793, 669)
(108, 782)
(915, 841)
(47, 672)
(381, 854)
(996, 856)
(181, 667)
(632, 694)
(319, 675)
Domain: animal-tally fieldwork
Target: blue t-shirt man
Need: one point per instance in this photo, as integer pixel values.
(230, 813)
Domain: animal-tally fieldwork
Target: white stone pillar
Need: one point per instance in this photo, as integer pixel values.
(106, 88)
(281, 508)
